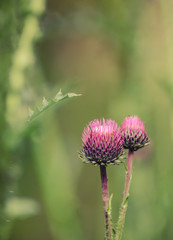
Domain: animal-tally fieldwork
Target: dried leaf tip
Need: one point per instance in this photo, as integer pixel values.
(73, 95)
(45, 102)
(30, 112)
(58, 96)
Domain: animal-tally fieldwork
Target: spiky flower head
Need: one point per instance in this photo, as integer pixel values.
(134, 133)
(102, 142)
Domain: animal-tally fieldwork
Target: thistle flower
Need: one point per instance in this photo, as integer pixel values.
(134, 133)
(102, 142)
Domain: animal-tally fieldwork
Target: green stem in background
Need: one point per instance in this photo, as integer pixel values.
(23, 60)
(124, 204)
(106, 204)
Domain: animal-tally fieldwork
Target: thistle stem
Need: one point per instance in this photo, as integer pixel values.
(105, 197)
(123, 209)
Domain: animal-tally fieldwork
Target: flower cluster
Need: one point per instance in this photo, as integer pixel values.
(103, 140)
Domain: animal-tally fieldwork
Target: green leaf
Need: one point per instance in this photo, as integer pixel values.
(48, 104)
(110, 204)
(126, 200)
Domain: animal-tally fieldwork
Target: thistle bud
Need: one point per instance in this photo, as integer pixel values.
(134, 133)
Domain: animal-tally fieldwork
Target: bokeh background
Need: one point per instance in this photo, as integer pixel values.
(119, 56)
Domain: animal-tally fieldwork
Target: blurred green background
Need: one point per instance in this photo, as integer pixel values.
(119, 56)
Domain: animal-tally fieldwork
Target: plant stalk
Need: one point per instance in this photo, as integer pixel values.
(123, 209)
(105, 197)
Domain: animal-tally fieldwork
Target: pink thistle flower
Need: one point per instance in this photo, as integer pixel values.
(102, 142)
(134, 133)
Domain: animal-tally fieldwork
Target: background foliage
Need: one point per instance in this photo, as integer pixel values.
(119, 56)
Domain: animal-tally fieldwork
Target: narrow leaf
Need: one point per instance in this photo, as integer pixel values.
(47, 104)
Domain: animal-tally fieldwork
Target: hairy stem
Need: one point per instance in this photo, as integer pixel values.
(124, 204)
(105, 197)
